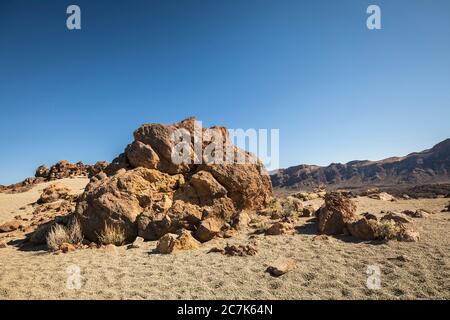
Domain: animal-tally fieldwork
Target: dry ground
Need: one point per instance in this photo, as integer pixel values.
(334, 269)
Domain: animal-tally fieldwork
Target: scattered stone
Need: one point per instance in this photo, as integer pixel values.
(397, 217)
(363, 229)
(216, 250)
(171, 243)
(409, 235)
(279, 228)
(10, 226)
(67, 247)
(406, 197)
(370, 216)
(417, 214)
(320, 237)
(281, 266)
(93, 245)
(208, 229)
(137, 243)
(401, 258)
(241, 221)
(335, 214)
(383, 196)
(292, 205)
(229, 233)
(240, 250)
(110, 248)
(309, 211)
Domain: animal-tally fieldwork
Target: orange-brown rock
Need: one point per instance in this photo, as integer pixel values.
(171, 243)
(10, 226)
(363, 229)
(146, 193)
(335, 214)
(55, 192)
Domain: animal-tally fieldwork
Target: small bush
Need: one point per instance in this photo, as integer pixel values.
(74, 232)
(56, 237)
(112, 235)
(388, 230)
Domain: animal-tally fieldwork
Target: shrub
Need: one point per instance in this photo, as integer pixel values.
(112, 235)
(74, 232)
(388, 230)
(56, 237)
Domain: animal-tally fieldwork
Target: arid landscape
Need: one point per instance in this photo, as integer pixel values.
(143, 227)
(326, 269)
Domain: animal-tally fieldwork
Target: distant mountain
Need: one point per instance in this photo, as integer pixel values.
(429, 166)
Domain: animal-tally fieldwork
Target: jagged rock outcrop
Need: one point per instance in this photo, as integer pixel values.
(145, 192)
(335, 214)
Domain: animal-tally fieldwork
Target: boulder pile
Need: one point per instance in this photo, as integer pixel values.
(62, 169)
(143, 192)
(338, 216)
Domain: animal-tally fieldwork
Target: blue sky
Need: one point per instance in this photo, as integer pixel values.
(312, 69)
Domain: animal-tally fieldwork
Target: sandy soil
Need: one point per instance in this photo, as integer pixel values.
(334, 269)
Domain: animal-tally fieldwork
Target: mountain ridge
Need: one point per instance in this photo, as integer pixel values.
(423, 167)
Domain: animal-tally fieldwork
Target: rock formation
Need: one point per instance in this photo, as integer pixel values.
(144, 192)
(335, 214)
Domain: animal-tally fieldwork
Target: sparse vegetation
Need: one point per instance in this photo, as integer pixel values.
(112, 235)
(388, 230)
(74, 232)
(60, 234)
(56, 237)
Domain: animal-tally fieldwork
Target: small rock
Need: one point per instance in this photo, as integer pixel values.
(67, 247)
(370, 216)
(410, 235)
(309, 211)
(229, 233)
(137, 243)
(396, 217)
(110, 248)
(240, 250)
(10, 226)
(171, 243)
(218, 250)
(93, 245)
(208, 229)
(281, 266)
(320, 237)
(3, 245)
(279, 228)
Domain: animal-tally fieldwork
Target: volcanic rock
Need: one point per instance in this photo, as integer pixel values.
(335, 214)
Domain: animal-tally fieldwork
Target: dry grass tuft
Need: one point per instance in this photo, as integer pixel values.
(74, 232)
(112, 235)
(59, 234)
(56, 237)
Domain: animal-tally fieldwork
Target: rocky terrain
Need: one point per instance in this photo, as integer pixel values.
(62, 169)
(145, 227)
(428, 167)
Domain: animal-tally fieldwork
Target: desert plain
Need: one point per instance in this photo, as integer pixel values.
(334, 268)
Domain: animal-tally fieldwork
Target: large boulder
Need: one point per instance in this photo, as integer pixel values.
(335, 214)
(363, 229)
(145, 191)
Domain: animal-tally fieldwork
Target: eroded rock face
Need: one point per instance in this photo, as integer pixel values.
(335, 214)
(144, 192)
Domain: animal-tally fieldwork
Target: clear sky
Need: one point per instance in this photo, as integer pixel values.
(312, 69)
